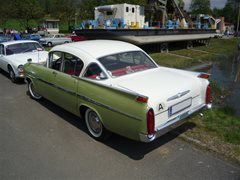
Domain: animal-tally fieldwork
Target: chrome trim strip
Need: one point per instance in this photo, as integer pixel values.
(178, 95)
(90, 100)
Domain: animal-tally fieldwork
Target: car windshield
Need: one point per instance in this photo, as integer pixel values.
(22, 48)
(126, 63)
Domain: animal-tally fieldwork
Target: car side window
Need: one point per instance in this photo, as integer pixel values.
(55, 61)
(72, 65)
(2, 49)
(94, 72)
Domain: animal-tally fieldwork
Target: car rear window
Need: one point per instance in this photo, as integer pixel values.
(126, 63)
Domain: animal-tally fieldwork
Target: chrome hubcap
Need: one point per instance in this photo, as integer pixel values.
(33, 92)
(11, 74)
(94, 123)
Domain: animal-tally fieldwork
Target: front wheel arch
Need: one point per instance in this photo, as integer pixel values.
(13, 77)
(33, 94)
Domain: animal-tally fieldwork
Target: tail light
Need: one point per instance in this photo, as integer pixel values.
(142, 99)
(204, 75)
(150, 122)
(209, 95)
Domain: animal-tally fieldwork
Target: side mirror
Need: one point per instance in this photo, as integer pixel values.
(29, 60)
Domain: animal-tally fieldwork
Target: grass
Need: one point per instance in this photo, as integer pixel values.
(223, 123)
(170, 60)
(183, 58)
(219, 129)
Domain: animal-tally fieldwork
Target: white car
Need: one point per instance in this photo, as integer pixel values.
(55, 39)
(14, 54)
(116, 87)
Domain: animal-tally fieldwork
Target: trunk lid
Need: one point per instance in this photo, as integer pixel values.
(164, 87)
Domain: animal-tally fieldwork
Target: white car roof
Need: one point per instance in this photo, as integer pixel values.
(97, 48)
(18, 42)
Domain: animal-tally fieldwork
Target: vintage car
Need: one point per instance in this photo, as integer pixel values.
(55, 39)
(35, 37)
(14, 54)
(4, 38)
(116, 87)
(76, 38)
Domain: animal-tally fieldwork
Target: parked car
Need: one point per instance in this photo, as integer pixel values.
(116, 87)
(55, 39)
(35, 37)
(76, 38)
(4, 38)
(14, 54)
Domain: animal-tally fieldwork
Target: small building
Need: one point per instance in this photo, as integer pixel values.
(127, 15)
(51, 26)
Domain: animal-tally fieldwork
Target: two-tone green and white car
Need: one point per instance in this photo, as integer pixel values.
(116, 87)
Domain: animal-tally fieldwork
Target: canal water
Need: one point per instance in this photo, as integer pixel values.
(226, 74)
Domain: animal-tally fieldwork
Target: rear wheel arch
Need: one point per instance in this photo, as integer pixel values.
(49, 44)
(102, 135)
(83, 108)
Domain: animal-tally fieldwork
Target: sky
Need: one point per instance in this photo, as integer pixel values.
(214, 3)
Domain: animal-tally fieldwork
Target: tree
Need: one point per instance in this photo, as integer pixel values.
(181, 4)
(137, 2)
(230, 11)
(217, 12)
(4, 12)
(86, 10)
(25, 11)
(200, 7)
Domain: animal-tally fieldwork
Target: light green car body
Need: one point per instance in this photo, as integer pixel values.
(141, 105)
(118, 110)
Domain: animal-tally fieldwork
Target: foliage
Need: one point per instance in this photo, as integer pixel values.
(230, 11)
(4, 12)
(25, 11)
(66, 10)
(87, 8)
(200, 7)
(138, 2)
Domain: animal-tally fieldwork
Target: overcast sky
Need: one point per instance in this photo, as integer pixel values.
(214, 3)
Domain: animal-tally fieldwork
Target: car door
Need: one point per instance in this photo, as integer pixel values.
(47, 75)
(66, 82)
(61, 39)
(3, 59)
(1, 55)
(58, 39)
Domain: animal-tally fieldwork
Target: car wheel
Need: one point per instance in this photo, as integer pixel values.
(95, 126)
(12, 75)
(49, 44)
(33, 93)
(66, 42)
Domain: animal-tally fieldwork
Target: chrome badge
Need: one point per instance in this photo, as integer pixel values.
(178, 95)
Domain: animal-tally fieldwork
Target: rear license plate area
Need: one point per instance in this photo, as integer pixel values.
(179, 107)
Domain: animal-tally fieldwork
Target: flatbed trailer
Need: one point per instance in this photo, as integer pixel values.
(142, 37)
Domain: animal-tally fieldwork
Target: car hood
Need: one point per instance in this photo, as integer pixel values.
(161, 84)
(22, 58)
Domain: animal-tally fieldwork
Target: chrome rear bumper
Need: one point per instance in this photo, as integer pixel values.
(171, 124)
